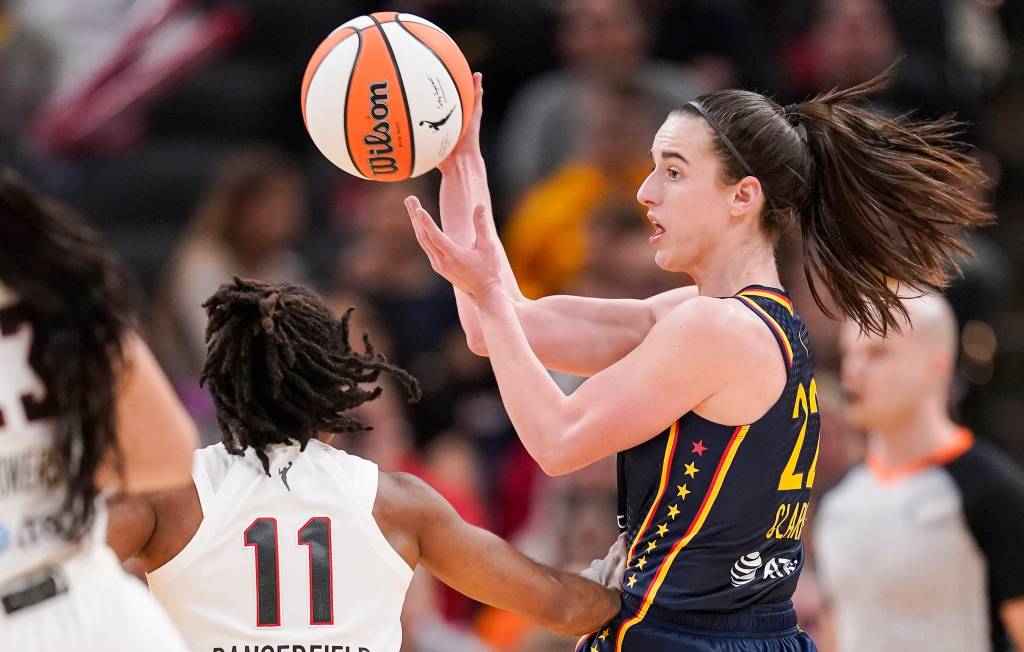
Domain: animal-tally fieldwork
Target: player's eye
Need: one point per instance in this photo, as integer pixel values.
(674, 174)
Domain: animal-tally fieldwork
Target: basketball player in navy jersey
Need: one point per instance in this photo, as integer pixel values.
(708, 392)
(84, 409)
(284, 541)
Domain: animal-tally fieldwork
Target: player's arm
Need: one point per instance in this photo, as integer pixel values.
(687, 357)
(131, 521)
(481, 565)
(156, 437)
(577, 335)
(694, 351)
(583, 335)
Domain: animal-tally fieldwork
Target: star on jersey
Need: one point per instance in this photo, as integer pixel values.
(691, 470)
(683, 491)
(699, 448)
(662, 530)
(641, 561)
(651, 545)
(632, 580)
(604, 634)
(673, 511)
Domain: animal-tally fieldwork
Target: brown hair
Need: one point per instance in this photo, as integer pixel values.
(878, 199)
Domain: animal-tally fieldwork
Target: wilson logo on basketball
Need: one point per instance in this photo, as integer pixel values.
(380, 140)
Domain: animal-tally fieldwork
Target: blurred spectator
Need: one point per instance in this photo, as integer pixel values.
(617, 256)
(546, 235)
(726, 43)
(27, 70)
(382, 262)
(851, 41)
(251, 217)
(918, 547)
(597, 39)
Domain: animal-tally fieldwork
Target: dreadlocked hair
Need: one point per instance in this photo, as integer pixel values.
(280, 367)
(70, 285)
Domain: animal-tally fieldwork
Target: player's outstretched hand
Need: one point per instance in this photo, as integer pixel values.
(474, 268)
(610, 570)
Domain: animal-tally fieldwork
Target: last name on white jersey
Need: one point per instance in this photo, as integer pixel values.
(294, 647)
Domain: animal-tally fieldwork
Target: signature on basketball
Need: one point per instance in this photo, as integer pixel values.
(436, 126)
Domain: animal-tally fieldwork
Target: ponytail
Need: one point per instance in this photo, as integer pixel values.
(880, 201)
(886, 200)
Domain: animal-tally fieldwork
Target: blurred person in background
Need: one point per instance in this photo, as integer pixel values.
(918, 547)
(546, 234)
(248, 223)
(84, 412)
(850, 41)
(380, 261)
(27, 71)
(597, 40)
(614, 260)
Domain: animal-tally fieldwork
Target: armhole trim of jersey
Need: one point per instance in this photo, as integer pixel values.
(374, 536)
(776, 329)
(211, 505)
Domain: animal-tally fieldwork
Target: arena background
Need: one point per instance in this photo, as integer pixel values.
(174, 125)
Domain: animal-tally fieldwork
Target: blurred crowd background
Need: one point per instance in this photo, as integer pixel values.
(174, 125)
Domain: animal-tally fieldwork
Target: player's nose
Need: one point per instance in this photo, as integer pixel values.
(647, 193)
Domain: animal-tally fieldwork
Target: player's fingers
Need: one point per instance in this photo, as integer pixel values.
(441, 244)
(478, 100)
(412, 205)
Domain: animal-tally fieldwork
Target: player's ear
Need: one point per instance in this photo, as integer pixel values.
(747, 197)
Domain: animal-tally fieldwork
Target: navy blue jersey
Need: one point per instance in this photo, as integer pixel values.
(714, 514)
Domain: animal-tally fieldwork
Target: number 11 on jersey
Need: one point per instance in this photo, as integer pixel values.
(261, 535)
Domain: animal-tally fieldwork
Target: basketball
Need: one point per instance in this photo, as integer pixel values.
(386, 97)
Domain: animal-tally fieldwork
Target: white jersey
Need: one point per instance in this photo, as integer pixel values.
(295, 560)
(31, 488)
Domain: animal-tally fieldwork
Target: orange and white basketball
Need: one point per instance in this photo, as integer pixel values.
(386, 96)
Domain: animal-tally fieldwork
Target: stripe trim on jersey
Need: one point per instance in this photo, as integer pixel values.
(666, 467)
(788, 349)
(698, 521)
(774, 296)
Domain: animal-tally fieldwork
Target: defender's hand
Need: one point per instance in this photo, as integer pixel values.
(610, 570)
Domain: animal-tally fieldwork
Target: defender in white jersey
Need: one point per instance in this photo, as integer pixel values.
(284, 541)
(72, 374)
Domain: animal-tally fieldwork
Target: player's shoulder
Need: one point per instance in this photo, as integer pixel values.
(401, 489)
(987, 473)
(719, 323)
(405, 497)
